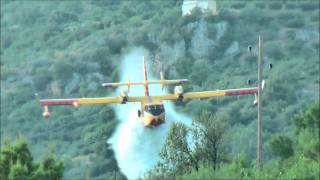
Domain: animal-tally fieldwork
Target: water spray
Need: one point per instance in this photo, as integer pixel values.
(137, 147)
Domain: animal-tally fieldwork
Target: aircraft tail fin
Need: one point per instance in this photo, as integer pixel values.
(146, 83)
(146, 86)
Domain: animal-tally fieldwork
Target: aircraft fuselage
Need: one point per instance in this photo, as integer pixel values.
(153, 114)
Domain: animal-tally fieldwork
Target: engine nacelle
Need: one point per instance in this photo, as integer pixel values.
(178, 91)
(46, 113)
(124, 96)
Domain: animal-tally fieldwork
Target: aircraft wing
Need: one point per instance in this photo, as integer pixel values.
(206, 94)
(217, 93)
(90, 101)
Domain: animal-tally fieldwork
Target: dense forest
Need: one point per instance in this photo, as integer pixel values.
(66, 49)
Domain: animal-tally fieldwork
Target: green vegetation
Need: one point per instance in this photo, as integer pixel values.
(189, 147)
(66, 49)
(298, 159)
(16, 162)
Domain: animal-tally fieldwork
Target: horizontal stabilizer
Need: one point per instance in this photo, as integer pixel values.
(162, 82)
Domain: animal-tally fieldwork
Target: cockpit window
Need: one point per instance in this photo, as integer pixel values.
(155, 110)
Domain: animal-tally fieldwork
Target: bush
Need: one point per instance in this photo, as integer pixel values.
(195, 15)
(81, 34)
(316, 45)
(291, 6)
(62, 70)
(315, 18)
(50, 31)
(291, 34)
(275, 6)
(296, 23)
(23, 94)
(29, 17)
(256, 16)
(228, 16)
(41, 81)
(295, 47)
(274, 50)
(285, 16)
(6, 42)
(281, 146)
(59, 17)
(260, 5)
(17, 163)
(239, 5)
(116, 43)
(309, 6)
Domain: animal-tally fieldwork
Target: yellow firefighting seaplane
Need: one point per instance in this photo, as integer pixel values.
(152, 109)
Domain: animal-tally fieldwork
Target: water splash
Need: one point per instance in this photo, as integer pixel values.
(136, 147)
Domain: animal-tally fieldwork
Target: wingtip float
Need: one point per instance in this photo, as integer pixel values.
(152, 110)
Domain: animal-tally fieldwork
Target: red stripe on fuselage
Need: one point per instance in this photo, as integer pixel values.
(146, 88)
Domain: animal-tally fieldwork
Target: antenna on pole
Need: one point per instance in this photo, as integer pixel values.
(259, 123)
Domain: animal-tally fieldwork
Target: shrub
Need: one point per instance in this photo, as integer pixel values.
(315, 18)
(291, 6)
(291, 34)
(116, 43)
(81, 34)
(281, 146)
(229, 16)
(260, 5)
(239, 5)
(275, 6)
(295, 47)
(296, 23)
(285, 16)
(23, 94)
(256, 16)
(316, 45)
(7, 41)
(210, 18)
(59, 17)
(211, 31)
(17, 163)
(62, 70)
(29, 17)
(274, 50)
(195, 15)
(41, 81)
(309, 6)
(50, 31)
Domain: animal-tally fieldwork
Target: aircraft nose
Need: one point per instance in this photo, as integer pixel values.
(155, 121)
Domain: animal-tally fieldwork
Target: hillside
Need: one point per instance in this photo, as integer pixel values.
(67, 49)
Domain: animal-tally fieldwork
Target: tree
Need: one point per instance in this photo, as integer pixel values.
(18, 171)
(50, 168)
(16, 162)
(281, 146)
(307, 128)
(310, 119)
(187, 148)
(177, 154)
(210, 131)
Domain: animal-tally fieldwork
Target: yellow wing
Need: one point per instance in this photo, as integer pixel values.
(206, 94)
(88, 101)
(91, 101)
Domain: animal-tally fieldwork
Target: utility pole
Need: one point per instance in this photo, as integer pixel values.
(259, 123)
